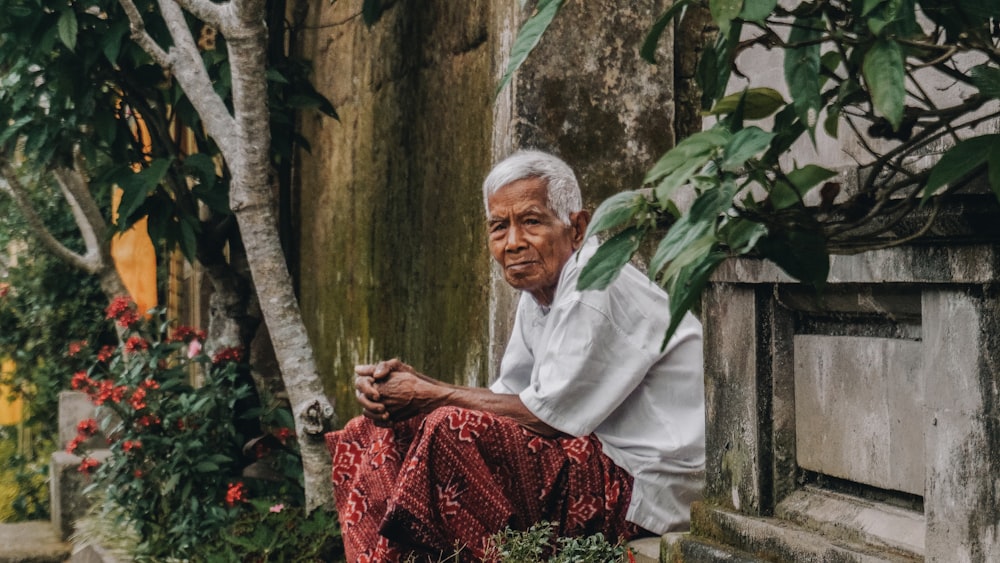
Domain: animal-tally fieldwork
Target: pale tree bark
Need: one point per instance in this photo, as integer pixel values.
(244, 139)
(96, 260)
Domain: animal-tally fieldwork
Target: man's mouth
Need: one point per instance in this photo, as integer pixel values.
(520, 265)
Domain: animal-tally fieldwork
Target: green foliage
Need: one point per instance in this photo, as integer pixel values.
(273, 532)
(538, 543)
(71, 77)
(24, 492)
(183, 466)
(852, 68)
(529, 36)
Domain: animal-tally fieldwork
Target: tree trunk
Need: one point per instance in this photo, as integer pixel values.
(253, 204)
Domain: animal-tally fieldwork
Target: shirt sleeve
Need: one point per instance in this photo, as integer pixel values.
(588, 363)
(517, 362)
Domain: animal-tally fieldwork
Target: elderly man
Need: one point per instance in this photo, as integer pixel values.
(590, 424)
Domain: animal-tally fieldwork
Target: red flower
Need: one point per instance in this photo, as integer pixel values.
(283, 434)
(136, 344)
(105, 353)
(147, 420)
(4, 289)
(87, 465)
(122, 309)
(138, 399)
(150, 384)
(138, 473)
(103, 392)
(76, 347)
(81, 382)
(224, 355)
(235, 493)
(187, 334)
(87, 427)
(74, 444)
(130, 445)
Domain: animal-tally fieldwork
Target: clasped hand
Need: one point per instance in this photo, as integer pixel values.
(388, 391)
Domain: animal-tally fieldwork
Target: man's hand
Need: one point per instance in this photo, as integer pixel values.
(390, 391)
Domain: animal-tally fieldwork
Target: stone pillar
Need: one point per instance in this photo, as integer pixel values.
(961, 373)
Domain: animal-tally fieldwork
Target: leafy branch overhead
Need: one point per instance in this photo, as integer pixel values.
(913, 83)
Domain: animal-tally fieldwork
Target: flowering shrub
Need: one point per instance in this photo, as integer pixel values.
(183, 463)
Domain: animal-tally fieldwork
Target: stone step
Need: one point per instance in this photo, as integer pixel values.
(32, 542)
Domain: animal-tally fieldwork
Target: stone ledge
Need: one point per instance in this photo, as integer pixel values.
(31, 542)
(772, 539)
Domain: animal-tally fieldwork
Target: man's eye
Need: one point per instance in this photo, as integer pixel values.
(532, 221)
(497, 227)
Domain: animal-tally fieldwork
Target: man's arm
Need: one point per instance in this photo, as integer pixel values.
(391, 391)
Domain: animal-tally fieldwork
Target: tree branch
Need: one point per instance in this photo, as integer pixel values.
(140, 36)
(189, 70)
(13, 187)
(208, 12)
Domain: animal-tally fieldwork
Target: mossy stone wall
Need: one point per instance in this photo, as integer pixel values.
(389, 231)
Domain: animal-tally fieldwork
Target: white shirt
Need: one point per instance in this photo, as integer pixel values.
(591, 363)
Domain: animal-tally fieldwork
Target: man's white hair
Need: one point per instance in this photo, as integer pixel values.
(560, 182)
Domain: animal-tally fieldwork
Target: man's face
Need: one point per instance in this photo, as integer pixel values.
(528, 239)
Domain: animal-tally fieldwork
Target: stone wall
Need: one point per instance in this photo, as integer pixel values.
(390, 232)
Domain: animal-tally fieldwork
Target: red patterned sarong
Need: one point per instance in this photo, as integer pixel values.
(452, 478)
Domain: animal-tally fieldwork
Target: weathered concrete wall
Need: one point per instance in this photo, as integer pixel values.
(390, 235)
(392, 261)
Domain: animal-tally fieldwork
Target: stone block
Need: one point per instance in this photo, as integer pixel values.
(66, 484)
(858, 410)
(75, 406)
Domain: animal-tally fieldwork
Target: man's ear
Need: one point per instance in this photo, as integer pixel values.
(579, 221)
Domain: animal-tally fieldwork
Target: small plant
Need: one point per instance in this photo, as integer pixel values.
(538, 543)
(191, 465)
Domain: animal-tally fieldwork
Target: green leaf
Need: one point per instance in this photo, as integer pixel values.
(699, 144)
(802, 65)
(528, 37)
(67, 27)
(868, 5)
(679, 238)
(741, 235)
(136, 187)
(685, 290)
(723, 12)
(886, 78)
(648, 50)
(604, 266)
(614, 211)
(757, 10)
(745, 144)
(799, 182)
(801, 254)
(206, 467)
(987, 79)
(758, 103)
(959, 161)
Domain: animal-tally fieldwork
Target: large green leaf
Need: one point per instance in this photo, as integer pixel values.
(757, 10)
(695, 146)
(799, 182)
(758, 103)
(604, 266)
(744, 145)
(685, 290)
(723, 12)
(987, 79)
(801, 254)
(136, 188)
(648, 49)
(802, 64)
(68, 28)
(960, 160)
(885, 76)
(528, 37)
(614, 211)
(680, 236)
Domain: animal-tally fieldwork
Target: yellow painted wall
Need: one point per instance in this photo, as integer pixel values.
(10, 412)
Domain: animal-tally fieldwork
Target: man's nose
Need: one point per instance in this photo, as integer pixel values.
(515, 239)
